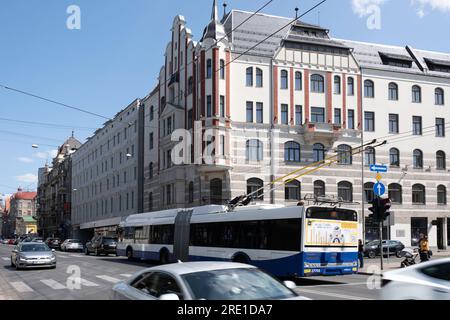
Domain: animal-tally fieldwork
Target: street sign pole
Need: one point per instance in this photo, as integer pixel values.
(381, 245)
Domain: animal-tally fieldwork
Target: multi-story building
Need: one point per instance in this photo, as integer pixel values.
(4, 216)
(55, 193)
(105, 173)
(279, 96)
(22, 214)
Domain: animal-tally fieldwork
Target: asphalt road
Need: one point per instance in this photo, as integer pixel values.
(99, 274)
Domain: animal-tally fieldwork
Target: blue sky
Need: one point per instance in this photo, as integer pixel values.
(116, 55)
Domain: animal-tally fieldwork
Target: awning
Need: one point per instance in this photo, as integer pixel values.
(101, 223)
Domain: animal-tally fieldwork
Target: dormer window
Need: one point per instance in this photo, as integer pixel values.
(396, 60)
(438, 65)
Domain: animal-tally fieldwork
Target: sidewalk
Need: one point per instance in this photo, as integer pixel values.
(372, 266)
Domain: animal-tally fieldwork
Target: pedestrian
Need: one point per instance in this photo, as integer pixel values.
(424, 248)
(361, 254)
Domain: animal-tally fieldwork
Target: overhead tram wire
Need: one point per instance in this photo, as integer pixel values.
(45, 124)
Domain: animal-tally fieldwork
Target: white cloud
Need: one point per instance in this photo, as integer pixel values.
(25, 160)
(441, 5)
(364, 7)
(27, 178)
(46, 154)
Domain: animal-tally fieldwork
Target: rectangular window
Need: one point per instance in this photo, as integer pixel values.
(209, 106)
(222, 145)
(417, 126)
(337, 116)
(440, 127)
(351, 119)
(298, 115)
(284, 114)
(259, 112)
(369, 121)
(151, 140)
(222, 106)
(317, 115)
(189, 120)
(393, 123)
(249, 111)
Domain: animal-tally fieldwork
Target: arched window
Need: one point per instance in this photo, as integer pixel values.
(317, 83)
(208, 69)
(292, 190)
(191, 192)
(152, 113)
(291, 152)
(298, 81)
(368, 192)
(394, 157)
(439, 96)
(190, 85)
(255, 187)
(318, 152)
(249, 77)
(259, 78)
(369, 89)
(395, 193)
(442, 194)
(284, 79)
(254, 150)
(441, 160)
(337, 85)
(345, 154)
(215, 191)
(150, 170)
(393, 91)
(222, 69)
(370, 156)
(345, 191)
(319, 188)
(350, 86)
(418, 159)
(418, 194)
(416, 94)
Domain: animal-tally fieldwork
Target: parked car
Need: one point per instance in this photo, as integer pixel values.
(101, 245)
(6, 241)
(72, 245)
(11, 241)
(32, 255)
(425, 281)
(204, 281)
(391, 247)
(53, 243)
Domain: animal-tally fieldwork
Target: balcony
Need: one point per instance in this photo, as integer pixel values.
(218, 164)
(326, 133)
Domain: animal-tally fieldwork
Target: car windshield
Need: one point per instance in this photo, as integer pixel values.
(235, 284)
(109, 240)
(34, 248)
(74, 241)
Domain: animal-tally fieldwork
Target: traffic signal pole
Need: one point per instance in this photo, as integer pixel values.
(381, 245)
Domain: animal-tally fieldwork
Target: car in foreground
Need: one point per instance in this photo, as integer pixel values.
(425, 281)
(391, 247)
(53, 243)
(204, 281)
(101, 245)
(72, 245)
(33, 255)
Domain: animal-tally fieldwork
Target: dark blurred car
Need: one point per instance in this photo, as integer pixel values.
(101, 245)
(53, 243)
(391, 247)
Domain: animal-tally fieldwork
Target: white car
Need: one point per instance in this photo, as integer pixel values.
(425, 281)
(204, 281)
(72, 245)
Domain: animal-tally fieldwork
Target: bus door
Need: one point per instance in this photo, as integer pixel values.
(181, 237)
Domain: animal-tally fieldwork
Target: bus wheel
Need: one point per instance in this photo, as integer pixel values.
(130, 254)
(241, 258)
(163, 257)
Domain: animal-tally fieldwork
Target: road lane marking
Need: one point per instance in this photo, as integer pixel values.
(21, 287)
(126, 275)
(329, 294)
(87, 283)
(109, 279)
(53, 284)
(75, 255)
(5, 259)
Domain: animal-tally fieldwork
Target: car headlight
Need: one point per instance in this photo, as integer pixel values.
(22, 257)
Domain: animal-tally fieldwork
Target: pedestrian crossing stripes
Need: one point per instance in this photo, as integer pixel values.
(53, 284)
(126, 275)
(108, 278)
(21, 287)
(87, 283)
(5, 259)
(75, 255)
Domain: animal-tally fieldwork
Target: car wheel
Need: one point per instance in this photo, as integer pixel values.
(163, 257)
(97, 253)
(398, 254)
(372, 254)
(129, 254)
(86, 251)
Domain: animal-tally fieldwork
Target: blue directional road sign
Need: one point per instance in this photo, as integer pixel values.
(378, 168)
(379, 189)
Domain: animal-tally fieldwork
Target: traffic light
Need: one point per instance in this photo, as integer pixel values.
(385, 205)
(375, 209)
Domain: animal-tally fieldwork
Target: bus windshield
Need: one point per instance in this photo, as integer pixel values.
(331, 214)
